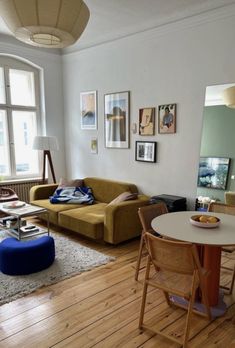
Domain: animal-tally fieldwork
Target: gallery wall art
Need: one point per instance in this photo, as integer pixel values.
(117, 119)
(88, 110)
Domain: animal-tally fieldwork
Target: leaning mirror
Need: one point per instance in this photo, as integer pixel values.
(216, 173)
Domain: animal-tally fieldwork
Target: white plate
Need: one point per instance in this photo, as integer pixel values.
(14, 205)
(194, 222)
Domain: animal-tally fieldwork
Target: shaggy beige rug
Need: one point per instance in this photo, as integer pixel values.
(71, 259)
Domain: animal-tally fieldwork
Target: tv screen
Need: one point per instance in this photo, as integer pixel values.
(213, 172)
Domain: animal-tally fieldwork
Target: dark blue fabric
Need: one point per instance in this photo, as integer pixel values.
(72, 195)
(19, 257)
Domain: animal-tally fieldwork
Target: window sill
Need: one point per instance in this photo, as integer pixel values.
(18, 181)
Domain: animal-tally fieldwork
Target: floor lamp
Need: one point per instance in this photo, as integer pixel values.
(47, 144)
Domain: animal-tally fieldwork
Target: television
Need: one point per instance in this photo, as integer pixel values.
(213, 172)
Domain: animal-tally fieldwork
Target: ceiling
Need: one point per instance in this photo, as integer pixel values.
(113, 19)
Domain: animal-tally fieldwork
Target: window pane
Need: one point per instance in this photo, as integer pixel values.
(22, 87)
(2, 87)
(4, 146)
(24, 128)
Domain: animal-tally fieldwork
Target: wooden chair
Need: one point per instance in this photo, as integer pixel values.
(226, 209)
(146, 215)
(229, 197)
(178, 272)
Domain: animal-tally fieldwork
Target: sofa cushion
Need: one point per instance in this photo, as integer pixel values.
(54, 209)
(88, 221)
(70, 183)
(106, 190)
(125, 196)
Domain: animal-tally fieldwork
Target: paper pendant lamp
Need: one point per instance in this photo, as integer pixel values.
(229, 97)
(45, 23)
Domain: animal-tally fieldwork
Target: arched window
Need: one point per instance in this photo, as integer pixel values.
(20, 118)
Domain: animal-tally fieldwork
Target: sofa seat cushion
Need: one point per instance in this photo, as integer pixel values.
(88, 221)
(54, 209)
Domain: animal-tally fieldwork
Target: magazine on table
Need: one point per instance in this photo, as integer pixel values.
(24, 209)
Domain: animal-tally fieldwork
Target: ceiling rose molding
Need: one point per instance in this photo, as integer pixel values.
(45, 23)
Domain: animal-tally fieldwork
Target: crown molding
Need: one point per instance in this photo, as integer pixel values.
(205, 17)
(11, 46)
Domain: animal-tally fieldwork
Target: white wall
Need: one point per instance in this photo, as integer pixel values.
(173, 64)
(51, 65)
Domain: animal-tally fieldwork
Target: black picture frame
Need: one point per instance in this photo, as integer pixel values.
(213, 172)
(146, 151)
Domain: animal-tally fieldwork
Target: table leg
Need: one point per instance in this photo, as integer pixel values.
(211, 261)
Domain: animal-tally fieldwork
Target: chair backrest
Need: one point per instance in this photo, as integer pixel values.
(221, 208)
(149, 212)
(169, 255)
(229, 197)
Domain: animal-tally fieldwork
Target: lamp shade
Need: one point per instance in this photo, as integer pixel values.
(45, 143)
(229, 97)
(45, 23)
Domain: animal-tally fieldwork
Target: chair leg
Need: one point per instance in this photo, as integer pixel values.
(145, 289)
(139, 256)
(205, 300)
(189, 314)
(229, 289)
(167, 298)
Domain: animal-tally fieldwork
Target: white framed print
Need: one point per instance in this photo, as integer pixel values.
(117, 120)
(88, 110)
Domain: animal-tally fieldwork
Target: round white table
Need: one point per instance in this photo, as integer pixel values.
(177, 226)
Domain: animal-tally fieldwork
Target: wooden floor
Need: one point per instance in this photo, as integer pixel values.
(100, 308)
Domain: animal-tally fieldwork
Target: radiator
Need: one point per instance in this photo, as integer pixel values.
(22, 188)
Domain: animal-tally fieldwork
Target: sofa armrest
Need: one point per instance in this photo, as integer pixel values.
(42, 191)
(121, 221)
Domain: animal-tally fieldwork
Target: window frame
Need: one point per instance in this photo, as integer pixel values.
(8, 63)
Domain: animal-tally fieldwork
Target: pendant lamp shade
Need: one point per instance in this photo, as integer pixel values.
(229, 97)
(45, 23)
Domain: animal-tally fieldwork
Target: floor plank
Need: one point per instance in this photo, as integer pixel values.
(100, 308)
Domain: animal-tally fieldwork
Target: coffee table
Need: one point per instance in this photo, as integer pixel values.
(27, 210)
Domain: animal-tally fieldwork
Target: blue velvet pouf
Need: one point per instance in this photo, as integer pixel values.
(19, 258)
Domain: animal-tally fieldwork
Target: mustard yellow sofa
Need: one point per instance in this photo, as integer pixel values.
(113, 223)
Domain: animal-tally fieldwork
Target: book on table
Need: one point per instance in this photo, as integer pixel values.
(29, 229)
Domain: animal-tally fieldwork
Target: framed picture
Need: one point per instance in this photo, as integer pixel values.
(146, 121)
(116, 109)
(213, 172)
(145, 151)
(88, 109)
(167, 119)
(94, 145)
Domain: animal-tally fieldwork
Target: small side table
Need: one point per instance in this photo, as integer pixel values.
(28, 210)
